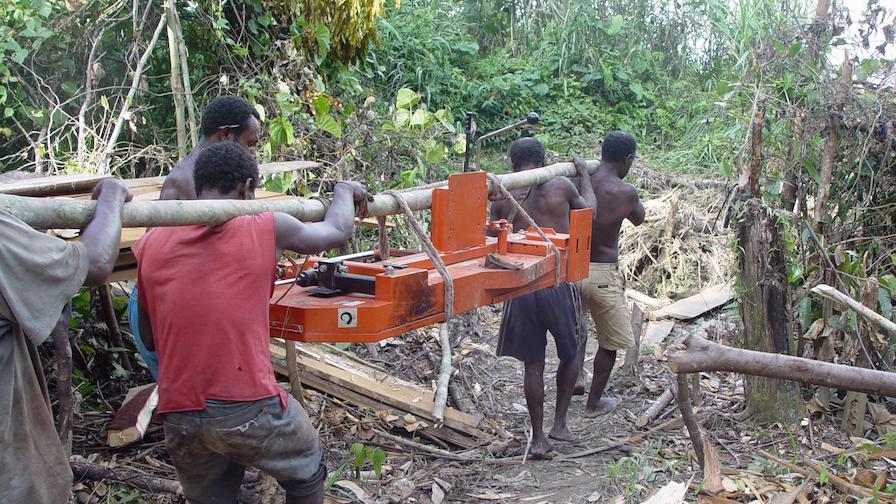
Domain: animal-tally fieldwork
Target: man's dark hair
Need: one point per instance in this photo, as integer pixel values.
(227, 111)
(224, 166)
(525, 151)
(618, 146)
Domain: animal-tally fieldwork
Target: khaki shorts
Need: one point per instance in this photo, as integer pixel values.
(603, 296)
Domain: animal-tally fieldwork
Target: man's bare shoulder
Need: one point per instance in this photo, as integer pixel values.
(560, 185)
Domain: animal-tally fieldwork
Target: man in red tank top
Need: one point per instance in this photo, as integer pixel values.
(204, 295)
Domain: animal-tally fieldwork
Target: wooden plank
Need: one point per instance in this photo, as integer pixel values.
(362, 401)
(285, 166)
(696, 305)
(50, 186)
(131, 420)
(387, 390)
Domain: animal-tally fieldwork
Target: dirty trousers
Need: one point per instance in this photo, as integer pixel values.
(212, 447)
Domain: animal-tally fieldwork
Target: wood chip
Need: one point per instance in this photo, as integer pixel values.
(352, 487)
(672, 493)
(437, 494)
(712, 470)
(492, 496)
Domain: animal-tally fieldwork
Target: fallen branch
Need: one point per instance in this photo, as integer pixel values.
(85, 470)
(64, 378)
(73, 214)
(828, 292)
(704, 355)
(655, 408)
(687, 415)
(445, 371)
(842, 484)
(422, 448)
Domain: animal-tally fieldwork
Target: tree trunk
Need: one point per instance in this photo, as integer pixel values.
(831, 134)
(177, 88)
(764, 309)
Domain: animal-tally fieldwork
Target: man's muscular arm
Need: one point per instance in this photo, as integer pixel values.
(586, 189)
(349, 199)
(573, 198)
(636, 216)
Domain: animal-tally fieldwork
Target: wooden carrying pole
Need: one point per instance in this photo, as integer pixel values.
(72, 214)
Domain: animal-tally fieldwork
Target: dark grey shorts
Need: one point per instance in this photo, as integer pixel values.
(528, 318)
(212, 447)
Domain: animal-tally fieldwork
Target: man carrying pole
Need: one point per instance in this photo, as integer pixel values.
(527, 319)
(39, 274)
(225, 119)
(205, 294)
(603, 290)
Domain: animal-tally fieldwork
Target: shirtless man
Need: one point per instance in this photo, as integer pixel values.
(528, 318)
(225, 118)
(603, 292)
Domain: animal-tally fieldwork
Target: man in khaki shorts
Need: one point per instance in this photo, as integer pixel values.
(603, 291)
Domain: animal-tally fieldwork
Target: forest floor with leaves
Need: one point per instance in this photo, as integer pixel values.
(684, 247)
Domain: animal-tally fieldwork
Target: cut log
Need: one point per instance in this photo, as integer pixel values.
(659, 405)
(133, 418)
(698, 304)
(74, 214)
(828, 292)
(704, 355)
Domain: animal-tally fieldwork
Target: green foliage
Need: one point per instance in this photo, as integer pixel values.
(362, 453)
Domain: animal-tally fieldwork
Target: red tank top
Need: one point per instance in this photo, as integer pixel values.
(207, 290)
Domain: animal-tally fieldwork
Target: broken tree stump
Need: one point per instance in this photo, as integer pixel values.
(704, 355)
(764, 311)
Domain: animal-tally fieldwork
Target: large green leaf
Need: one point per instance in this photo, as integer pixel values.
(435, 152)
(406, 98)
(421, 118)
(329, 124)
(281, 131)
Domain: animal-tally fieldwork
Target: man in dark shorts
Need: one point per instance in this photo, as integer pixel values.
(527, 319)
(225, 119)
(205, 294)
(603, 290)
(39, 274)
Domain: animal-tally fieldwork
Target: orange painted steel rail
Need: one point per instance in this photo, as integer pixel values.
(352, 301)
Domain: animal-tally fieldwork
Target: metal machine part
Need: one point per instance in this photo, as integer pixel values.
(530, 120)
(339, 300)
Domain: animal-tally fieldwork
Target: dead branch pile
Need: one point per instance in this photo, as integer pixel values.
(683, 244)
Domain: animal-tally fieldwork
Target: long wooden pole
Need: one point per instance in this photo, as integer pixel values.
(43, 213)
(704, 355)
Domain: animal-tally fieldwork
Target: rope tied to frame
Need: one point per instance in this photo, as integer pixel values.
(528, 220)
(446, 369)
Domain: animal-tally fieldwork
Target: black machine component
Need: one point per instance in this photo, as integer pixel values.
(331, 278)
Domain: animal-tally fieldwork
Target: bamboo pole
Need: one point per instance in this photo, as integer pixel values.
(45, 213)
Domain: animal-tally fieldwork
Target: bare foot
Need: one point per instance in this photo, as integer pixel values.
(579, 389)
(604, 406)
(541, 450)
(561, 434)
